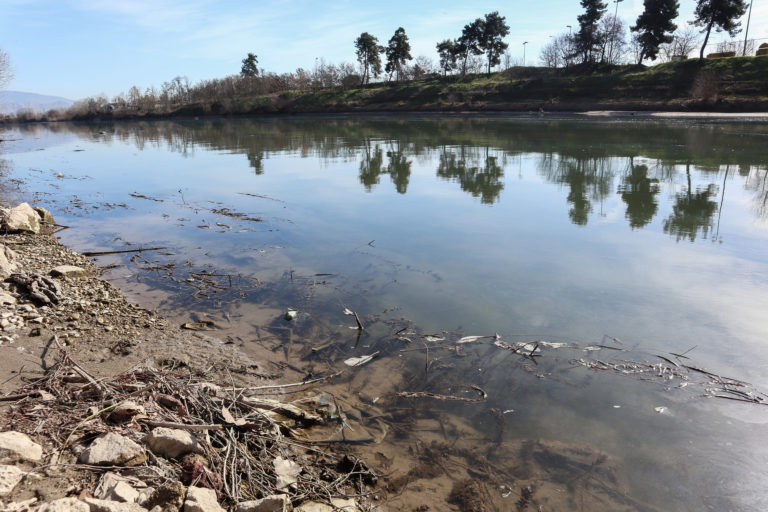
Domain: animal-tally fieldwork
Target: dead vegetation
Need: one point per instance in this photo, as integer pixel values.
(245, 435)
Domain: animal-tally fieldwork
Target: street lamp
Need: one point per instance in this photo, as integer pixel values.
(613, 35)
(525, 43)
(569, 29)
(744, 53)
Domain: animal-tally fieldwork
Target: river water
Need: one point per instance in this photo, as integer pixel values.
(615, 270)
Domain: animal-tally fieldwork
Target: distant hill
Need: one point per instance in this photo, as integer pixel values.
(13, 101)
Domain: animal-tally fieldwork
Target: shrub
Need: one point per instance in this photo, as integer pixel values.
(706, 86)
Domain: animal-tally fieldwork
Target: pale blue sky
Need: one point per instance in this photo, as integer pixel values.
(77, 48)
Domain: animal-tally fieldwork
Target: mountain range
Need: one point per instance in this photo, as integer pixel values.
(13, 101)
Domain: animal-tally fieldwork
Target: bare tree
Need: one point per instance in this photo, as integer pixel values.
(684, 42)
(736, 47)
(558, 52)
(6, 74)
(612, 41)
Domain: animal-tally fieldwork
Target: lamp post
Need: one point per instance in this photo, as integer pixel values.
(569, 29)
(613, 30)
(525, 43)
(744, 52)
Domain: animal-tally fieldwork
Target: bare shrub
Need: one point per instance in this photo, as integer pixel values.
(706, 86)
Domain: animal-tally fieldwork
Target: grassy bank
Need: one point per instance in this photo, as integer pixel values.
(710, 85)
(727, 85)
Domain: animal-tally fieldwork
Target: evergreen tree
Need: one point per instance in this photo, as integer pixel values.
(469, 43)
(493, 29)
(718, 14)
(588, 35)
(368, 50)
(448, 54)
(654, 26)
(398, 52)
(250, 66)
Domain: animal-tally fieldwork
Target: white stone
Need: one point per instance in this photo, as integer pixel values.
(200, 499)
(274, 503)
(170, 442)
(8, 263)
(113, 450)
(7, 299)
(15, 445)
(21, 506)
(10, 476)
(21, 218)
(339, 505)
(116, 488)
(68, 271)
(64, 505)
(287, 472)
(112, 506)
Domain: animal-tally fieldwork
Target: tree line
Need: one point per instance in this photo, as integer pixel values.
(601, 37)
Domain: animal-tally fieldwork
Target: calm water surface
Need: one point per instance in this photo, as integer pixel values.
(647, 237)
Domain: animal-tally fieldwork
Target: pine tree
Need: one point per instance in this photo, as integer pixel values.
(655, 26)
(250, 66)
(398, 52)
(588, 35)
(718, 14)
(367, 49)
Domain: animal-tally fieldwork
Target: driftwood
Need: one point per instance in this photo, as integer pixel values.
(122, 251)
(425, 394)
(39, 287)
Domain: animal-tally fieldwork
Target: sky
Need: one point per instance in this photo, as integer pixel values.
(80, 48)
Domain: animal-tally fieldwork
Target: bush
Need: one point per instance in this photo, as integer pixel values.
(706, 86)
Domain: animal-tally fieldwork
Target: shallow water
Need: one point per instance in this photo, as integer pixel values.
(649, 237)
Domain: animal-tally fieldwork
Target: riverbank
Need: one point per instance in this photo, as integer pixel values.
(727, 85)
(106, 406)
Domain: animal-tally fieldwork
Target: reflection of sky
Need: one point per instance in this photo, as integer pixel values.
(517, 266)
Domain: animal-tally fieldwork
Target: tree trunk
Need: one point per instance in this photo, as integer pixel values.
(706, 38)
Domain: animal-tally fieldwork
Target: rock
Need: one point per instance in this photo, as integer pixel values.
(15, 445)
(116, 488)
(339, 505)
(8, 262)
(22, 218)
(171, 443)
(10, 476)
(168, 497)
(126, 411)
(45, 216)
(21, 506)
(287, 472)
(112, 506)
(7, 299)
(64, 505)
(274, 503)
(200, 499)
(113, 450)
(68, 271)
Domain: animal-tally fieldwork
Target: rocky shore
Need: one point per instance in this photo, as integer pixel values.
(104, 407)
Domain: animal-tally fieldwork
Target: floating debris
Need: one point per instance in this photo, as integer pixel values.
(359, 361)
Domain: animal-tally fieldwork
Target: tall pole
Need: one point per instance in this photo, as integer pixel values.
(746, 32)
(525, 43)
(613, 30)
(569, 29)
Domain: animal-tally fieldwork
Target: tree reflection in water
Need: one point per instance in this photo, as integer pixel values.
(692, 212)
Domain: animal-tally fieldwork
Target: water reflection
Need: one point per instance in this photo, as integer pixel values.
(639, 192)
(692, 212)
(463, 166)
(553, 256)
(474, 153)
